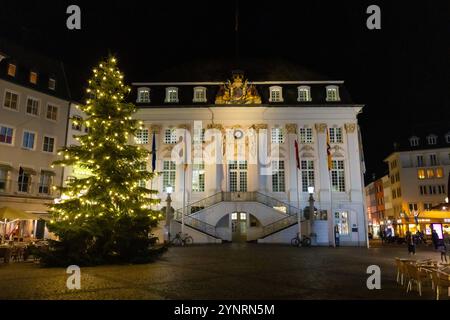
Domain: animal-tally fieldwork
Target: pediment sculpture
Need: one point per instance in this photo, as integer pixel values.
(238, 91)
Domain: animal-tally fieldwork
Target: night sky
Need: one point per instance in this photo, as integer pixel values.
(401, 72)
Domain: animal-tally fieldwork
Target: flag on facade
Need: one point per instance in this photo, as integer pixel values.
(297, 159)
(154, 152)
(329, 151)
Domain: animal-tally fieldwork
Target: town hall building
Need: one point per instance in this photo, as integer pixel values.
(259, 146)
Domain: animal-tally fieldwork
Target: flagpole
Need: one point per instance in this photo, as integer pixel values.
(184, 181)
(297, 169)
(330, 165)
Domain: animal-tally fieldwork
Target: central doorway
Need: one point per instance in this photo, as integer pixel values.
(239, 226)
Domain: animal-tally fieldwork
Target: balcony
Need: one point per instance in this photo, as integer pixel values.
(12, 187)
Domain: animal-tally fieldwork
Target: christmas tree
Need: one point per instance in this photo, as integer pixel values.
(106, 215)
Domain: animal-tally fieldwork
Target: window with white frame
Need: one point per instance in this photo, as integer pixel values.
(76, 123)
(28, 140)
(276, 94)
(414, 141)
(169, 173)
(420, 162)
(433, 160)
(3, 176)
(199, 135)
(306, 135)
(447, 137)
(11, 100)
(333, 93)
(12, 70)
(142, 183)
(51, 84)
(6, 134)
(141, 136)
(171, 95)
(277, 135)
(338, 175)
(52, 112)
(45, 181)
(33, 106)
(199, 94)
(143, 95)
(342, 220)
(49, 144)
(170, 136)
(432, 139)
(335, 135)
(198, 177)
(33, 77)
(307, 173)
(278, 177)
(304, 94)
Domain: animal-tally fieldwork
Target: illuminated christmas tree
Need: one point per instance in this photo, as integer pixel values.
(105, 216)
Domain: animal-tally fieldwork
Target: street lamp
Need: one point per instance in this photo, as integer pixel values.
(169, 190)
(311, 209)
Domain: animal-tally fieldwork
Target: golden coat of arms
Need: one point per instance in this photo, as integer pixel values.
(239, 91)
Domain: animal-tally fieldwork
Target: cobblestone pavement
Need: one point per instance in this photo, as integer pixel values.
(229, 271)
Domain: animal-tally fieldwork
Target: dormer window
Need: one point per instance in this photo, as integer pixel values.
(11, 70)
(447, 137)
(276, 94)
(333, 93)
(199, 94)
(414, 141)
(432, 139)
(51, 84)
(304, 94)
(143, 95)
(171, 95)
(33, 77)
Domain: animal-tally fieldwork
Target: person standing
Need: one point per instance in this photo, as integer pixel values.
(411, 243)
(435, 238)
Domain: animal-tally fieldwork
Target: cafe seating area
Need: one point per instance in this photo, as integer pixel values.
(414, 275)
(12, 251)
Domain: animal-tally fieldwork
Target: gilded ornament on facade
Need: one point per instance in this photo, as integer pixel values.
(238, 91)
(291, 128)
(350, 127)
(321, 127)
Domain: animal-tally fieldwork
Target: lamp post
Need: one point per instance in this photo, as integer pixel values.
(168, 213)
(311, 209)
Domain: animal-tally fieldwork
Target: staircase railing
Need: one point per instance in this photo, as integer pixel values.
(196, 223)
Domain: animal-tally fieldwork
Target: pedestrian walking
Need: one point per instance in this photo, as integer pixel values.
(435, 239)
(443, 250)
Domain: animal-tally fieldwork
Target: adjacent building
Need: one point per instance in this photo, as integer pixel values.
(418, 173)
(33, 121)
(379, 206)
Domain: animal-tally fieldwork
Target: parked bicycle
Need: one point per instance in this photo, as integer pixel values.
(182, 240)
(303, 242)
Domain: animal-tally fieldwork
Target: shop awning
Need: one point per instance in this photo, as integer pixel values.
(14, 214)
(28, 170)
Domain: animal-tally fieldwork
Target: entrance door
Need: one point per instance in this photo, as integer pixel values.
(239, 226)
(238, 175)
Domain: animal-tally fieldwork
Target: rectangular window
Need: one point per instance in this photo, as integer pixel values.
(412, 207)
(275, 95)
(433, 160)
(420, 161)
(33, 106)
(427, 206)
(338, 176)
(24, 181)
(45, 182)
(170, 136)
(11, 70)
(306, 135)
(432, 189)
(307, 172)
(423, 190)
(198, 177)
(169, 173)
(11, 100)
(6, 134)
(28, 140)
(332, 94)
(33, 77)
(399, 192)
(141, 136)
(199, 95)
(277, 135)
(304, 94)
(336, 135)
(278, 181)
(49, 144)
(52, 84)
(342, 221)
(439, 173)
(430, 173)
(143, 95)
(3, 175)
(421, 174)
(441, 189)
(52, 112)
(171, 95)
(76, 123)
(199, 135)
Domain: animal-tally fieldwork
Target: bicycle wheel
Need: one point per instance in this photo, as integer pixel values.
(306, 242)
(177, 242)
(188, 240)
(295, 242)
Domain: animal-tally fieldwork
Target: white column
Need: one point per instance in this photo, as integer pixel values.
(292, 175)
(261, 130)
